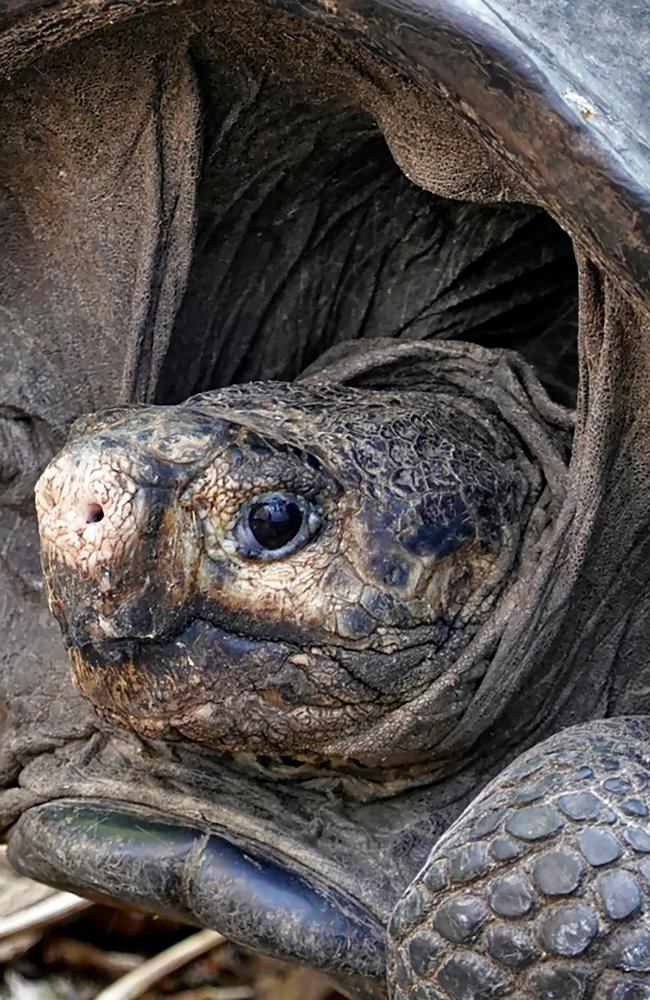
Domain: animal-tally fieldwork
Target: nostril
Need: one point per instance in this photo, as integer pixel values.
(94, 513)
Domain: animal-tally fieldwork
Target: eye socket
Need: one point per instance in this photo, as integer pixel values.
(273, 525)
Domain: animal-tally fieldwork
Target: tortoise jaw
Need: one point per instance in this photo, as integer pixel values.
(193, 679)
(167, 865)
(232, 692)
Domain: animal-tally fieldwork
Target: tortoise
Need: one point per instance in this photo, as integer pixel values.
(340, 449)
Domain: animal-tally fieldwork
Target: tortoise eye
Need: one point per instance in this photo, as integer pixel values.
(274, 525)
(275, 522)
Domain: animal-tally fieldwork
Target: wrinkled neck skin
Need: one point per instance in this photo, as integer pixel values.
(105, 229)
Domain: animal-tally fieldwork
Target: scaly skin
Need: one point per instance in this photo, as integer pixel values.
(541, 888)
(420, 509)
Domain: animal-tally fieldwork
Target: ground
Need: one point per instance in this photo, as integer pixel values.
(91, 949)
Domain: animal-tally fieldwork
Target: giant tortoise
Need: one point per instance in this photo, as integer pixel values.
(325, 345)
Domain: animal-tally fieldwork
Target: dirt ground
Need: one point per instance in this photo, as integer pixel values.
(55, 947)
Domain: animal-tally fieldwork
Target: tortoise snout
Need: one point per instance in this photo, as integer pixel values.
(90, 510)
(112, 541)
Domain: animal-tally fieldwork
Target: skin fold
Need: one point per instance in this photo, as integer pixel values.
(410, 749)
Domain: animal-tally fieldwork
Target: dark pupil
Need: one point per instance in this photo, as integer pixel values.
(275, 522)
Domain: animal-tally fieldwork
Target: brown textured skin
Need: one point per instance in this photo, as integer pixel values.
(433, 506)
(139, 166)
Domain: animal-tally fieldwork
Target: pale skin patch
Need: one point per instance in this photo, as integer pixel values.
(68, 496)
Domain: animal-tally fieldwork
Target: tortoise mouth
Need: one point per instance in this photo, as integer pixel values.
(270, 698)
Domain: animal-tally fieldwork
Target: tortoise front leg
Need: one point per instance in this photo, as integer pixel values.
(541, 888)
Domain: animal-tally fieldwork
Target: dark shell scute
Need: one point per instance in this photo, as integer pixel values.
(468, 976)
(505, 849)
(638, 838)
(465, 863)
(510, 945)
(568, 930)
(423, 947)
(534, 822)
(628, 989)
(634, 807)
(599, 846)
(620, 893)
(630, 951)
(511, 896)
(580, 805)
(558, 873)
(552, 982)
(459, 920)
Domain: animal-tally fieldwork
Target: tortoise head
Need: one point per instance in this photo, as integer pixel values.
(278, 568)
